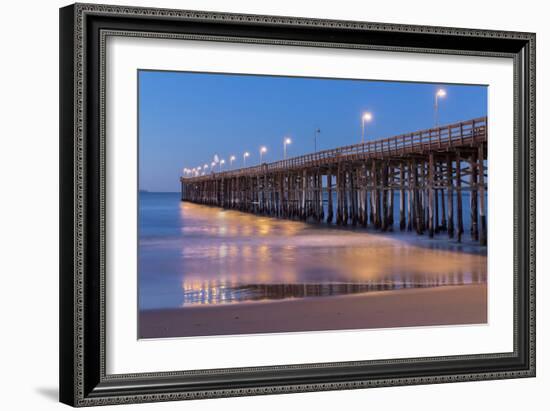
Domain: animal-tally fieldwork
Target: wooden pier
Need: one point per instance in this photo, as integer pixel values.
(428, 171)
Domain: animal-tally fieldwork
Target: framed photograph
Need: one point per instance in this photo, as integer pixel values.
(262, 204)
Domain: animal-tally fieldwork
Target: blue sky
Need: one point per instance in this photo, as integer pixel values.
(187, 118)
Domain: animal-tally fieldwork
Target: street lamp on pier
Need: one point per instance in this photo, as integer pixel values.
(286, 142)
(316, 132)
(366, 118)
(263, 150)
(245, 155)
(441, 93)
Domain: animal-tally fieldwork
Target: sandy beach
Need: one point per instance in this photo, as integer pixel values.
(465, 304)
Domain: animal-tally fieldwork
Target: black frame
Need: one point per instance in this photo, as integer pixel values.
(83, 29)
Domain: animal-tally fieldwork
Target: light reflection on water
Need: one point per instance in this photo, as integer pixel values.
(195, 254)
(221, 293)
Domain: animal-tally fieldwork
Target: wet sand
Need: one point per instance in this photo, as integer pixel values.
(443, 305)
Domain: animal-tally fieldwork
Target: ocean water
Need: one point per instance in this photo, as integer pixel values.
(192, 254)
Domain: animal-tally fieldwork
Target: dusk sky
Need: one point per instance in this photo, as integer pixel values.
(187, 118)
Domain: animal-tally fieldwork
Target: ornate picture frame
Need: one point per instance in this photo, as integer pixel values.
(84, 29)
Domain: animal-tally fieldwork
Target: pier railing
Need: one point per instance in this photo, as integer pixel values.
(464, 133)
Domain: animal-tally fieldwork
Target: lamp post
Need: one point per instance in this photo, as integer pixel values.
(231, 159)
(286, 141)
(245, 155)
(365, 118)
(213, 165)
(263, 150)
(315, 133)
(222, 162)
(439, 94)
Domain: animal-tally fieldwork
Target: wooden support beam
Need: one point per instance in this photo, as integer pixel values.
(364, 196)
(321, 200)
(459, 222)
(422, 194)
(416, 200)
(315, 195)
(353, 196)
(311, 195)
(436, 183)
(384, 193)
(425, 197)
(370, 183)
(473, 198)
(481, 179)
(375, 195)
(443, 212)
(390, 198)
(329, 193)
(292, 194)
(410, 206)
(431, 173)
(359, 173)
(265, 194)
(345, 183)
(450, 216)
(281, 195)
(402, 196)
(339, 191)
(303, 211)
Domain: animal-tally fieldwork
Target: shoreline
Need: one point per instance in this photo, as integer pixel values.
(442, 305)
